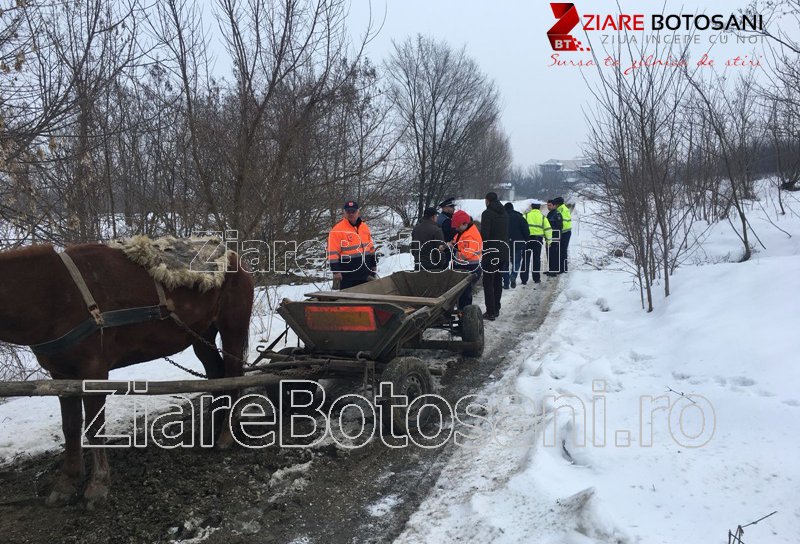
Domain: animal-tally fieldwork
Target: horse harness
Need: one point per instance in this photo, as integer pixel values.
(103, 320)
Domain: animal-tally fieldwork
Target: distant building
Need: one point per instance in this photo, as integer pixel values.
(505, 191)
(577, 170)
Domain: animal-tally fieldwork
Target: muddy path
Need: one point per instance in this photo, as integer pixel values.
(323, 494)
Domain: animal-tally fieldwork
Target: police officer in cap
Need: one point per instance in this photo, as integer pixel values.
(448, 207)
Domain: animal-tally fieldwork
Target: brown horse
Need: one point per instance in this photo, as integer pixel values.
(39, 301)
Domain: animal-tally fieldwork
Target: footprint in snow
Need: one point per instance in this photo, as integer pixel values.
(638, 357)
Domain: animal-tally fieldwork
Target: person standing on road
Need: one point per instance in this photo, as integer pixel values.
(467, 247)
(445, 219)
(494, 231)
(351, 253)
(566, 230)
(540, 231)
(517, 241)
(553, 248)
(426, 239)
(445, 222)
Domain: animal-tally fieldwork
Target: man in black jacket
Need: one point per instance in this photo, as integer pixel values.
(448, 207)
(518, 236)
(494, 231)
(444, 220)
(554, 249)
(426, 239)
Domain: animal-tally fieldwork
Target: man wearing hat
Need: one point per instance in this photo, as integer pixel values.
(448, 207)
(351, 253)
(554, 247)
(426, 240)
(566, 231)
(467, 247)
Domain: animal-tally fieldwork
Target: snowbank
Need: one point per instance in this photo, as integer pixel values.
(639, 462)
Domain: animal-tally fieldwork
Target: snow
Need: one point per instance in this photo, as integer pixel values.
(691, 413)
(383, 506)
(725, 338)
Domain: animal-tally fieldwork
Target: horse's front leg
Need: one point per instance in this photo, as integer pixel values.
(68, 480)
(100, 479)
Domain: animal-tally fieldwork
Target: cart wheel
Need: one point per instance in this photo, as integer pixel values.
(410, 377)
(472, 329)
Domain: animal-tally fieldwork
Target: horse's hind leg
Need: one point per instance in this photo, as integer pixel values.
(71, 474)
(215, 368)
(233, 322)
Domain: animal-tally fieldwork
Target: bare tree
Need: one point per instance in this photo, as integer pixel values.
(636, 135)
(486, 164)
(445, 106)
(301, 124)
(782, 49)
(71, 56)
(733, 117)
(783, 127)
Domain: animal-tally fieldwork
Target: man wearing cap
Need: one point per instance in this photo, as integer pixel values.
(448, 207)
(351, 253)
(566, 231)
(540, 231)
(554, 247)
(426, 239)
(467, 247)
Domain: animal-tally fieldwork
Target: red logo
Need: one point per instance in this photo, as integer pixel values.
(559, 35)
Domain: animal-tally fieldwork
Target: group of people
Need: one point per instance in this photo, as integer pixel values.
(505, 244)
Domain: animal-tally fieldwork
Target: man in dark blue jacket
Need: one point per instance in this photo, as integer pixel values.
(448, 207)
(554, 249)
(517, 239)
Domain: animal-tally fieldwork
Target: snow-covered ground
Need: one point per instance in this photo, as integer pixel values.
(641, 463)
(656, 466)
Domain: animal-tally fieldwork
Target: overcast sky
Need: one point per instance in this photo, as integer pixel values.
(542, 106)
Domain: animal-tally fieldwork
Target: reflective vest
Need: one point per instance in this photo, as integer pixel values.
(349, 241)
(566, 216)
(538, 225)
(468, 246)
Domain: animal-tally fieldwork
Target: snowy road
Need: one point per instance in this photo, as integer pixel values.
(323, 494)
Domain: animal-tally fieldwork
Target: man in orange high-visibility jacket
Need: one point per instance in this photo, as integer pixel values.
(467, 247)
(351, 253)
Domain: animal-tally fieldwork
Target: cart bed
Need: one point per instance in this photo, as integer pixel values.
(374, 318)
